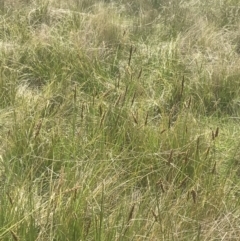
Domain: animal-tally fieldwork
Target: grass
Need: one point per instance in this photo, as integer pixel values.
(119, 120)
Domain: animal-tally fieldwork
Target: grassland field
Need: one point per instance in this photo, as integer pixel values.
(119, 120)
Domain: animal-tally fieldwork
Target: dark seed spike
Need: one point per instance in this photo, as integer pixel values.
(134, 118)
(162, 131)
(182, 87)
(194, 196)
(130, 216)
(38, 128)
(183, 182)
(146, 120)
(124, 97)
(102, 119)
(134, 95)
(198, 143)
(213, 136)
(189, 102)
(100, 110)
(117, 101)
(130, 55)
(75, 94)
(160, 183)
(214, 168)
(140, 73)
(82, 111)
(10, 199)
(207, 152)
(216, 132)
(170, 157)
(169, 122)
(155, 216)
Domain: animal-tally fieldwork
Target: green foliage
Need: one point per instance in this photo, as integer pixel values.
(119, 120)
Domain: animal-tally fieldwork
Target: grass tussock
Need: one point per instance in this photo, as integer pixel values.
(119, 120)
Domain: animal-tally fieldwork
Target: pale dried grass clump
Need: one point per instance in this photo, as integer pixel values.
(203, 42)
(42, 34)
(29, 95)
(105, 24)
(209, 51)
(7, 47)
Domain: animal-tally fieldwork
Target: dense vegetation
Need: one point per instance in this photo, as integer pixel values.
(119, 120)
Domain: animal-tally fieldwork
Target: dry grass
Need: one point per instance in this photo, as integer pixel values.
(119, 121)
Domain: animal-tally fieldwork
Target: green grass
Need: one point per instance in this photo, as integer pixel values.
(119, 120)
